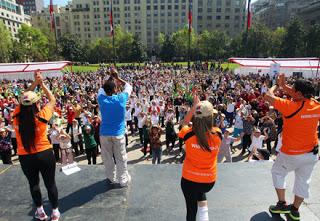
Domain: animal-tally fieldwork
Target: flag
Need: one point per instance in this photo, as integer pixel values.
(52, 22)
(111, 21)
(249, 17)
(190, 16)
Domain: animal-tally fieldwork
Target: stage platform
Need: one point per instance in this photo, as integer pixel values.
(243, 193)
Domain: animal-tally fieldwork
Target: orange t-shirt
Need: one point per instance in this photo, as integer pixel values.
(200, 165)
(41, 143)
(299, 134)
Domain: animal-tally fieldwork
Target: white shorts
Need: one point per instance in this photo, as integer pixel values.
(302, 165)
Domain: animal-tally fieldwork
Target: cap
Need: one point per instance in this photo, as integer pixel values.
(257, 130)
(229, 130)
(28, 98)
(2, 130)
(205, 109)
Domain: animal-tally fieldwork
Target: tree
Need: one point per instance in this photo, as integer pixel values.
(293, 44)
(167, 51)
(137, 50)
(276, 43)
(256, 41)
(312, 40)
(101, 51)
(213, 44)
(123, 44)
(32, 45)
(181, 41)
(53, 46)
(71, 48)
(5, 44)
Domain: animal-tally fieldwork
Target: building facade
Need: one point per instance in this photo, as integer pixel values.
(89, 20)
(12, 16)
(277, 13)
(31, 6)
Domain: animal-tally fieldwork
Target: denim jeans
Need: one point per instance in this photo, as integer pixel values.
(156, 155)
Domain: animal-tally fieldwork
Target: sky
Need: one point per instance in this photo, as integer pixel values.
(64, 2)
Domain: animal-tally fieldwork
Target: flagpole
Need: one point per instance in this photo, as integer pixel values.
(112, 33)
(189, 34)
(248, 26)
(55, 31)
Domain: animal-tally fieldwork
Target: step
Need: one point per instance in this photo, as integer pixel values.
(243, 192)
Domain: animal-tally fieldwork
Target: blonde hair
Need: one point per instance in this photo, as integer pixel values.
(202, 127)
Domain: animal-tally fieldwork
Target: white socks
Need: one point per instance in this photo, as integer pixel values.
(40, 210)
(56, 211)
(203, 213)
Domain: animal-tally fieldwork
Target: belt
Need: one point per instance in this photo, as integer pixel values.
(315, 150)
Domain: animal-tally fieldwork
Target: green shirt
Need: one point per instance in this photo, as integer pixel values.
(89, 140)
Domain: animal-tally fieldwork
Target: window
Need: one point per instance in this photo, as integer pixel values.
(218, 17)
(218, 9)
(227, 17)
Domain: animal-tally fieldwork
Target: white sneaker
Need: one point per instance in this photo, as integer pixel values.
(40, 215)
(127, 183)
(55, 216)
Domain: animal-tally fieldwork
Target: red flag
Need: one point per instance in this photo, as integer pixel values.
(190, 16)
(111, 21)
(249, 17)
(51, 16)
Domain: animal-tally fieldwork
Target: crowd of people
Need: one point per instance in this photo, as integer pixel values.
(96, 113)
(161, 98)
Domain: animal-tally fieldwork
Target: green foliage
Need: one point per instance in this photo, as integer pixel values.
(293, 42)
(5, 44)
(32, 45)
(312, 40)
(71, 48)
(167, 51)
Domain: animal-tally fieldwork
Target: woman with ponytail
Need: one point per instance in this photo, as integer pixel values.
(202, 142)
(34, 149)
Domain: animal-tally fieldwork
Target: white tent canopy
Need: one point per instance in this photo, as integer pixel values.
(306, 67)
(17, 71)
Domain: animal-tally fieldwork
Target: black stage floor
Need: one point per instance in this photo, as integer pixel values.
(243, 193)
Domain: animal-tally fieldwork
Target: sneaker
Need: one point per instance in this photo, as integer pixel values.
(294, 215)
(55, 216)
(122, 185)
(110, 183)
(280, 208)
(41, 215)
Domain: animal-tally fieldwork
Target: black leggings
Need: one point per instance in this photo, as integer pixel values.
(43, 162)
(193, 193)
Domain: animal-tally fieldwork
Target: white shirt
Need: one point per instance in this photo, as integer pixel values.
(141, 121)
(13, 132)
(230, 108)
(137, 111)
(128, 115)
(154, 119)
(76, 131)
(257, 143)
(238, 122)
(54, 136)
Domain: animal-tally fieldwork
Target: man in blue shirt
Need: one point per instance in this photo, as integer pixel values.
(112, 129)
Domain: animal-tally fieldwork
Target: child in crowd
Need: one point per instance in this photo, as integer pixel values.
(225, 148)
(5, 146)
(76, 133)
(171, 135)
(155, 143)
(256, 147)
(146, 138)
(53, 134)
(65, 147)
(141, 121)
(90, 143)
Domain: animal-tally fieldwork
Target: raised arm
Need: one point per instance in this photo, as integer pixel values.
(192, 110)
(35, 83)
(47, 92)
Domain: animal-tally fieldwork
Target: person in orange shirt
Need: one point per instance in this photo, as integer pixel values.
(202, 142)
(299, 150)
(34, 149)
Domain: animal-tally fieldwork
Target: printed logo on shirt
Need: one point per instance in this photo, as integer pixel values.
(308, 116)
(197, 146)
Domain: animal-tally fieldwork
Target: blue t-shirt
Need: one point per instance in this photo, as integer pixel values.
(113, 111)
